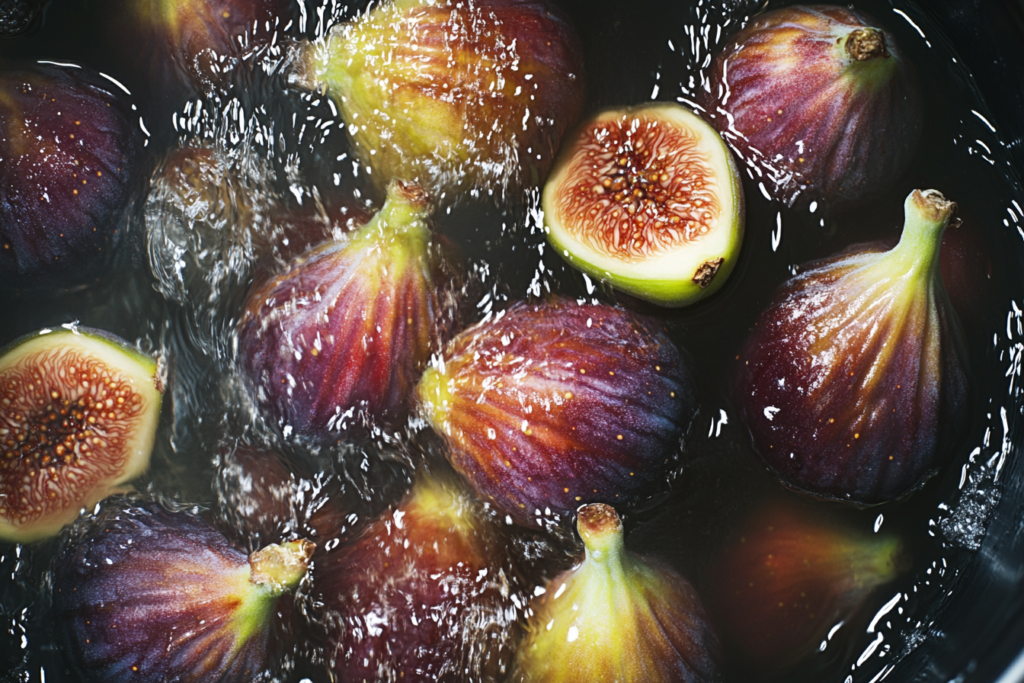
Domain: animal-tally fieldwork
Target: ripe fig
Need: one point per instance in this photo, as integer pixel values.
(556, 404)
(70, 155)
(822, 98)
(616, 617)
(339, 339)
(148, 594)
(648, 199)
(420, 595)
(780, 588)
(453, 95)
(855, 378)
(78, 416)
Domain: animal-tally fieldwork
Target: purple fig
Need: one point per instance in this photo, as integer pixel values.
(420, 595)
(791, 576)
(78, 417)
(69, 157)
(340, 338)
(855, 380)
(453, 95)
(616, 617)
(147, 594)
(822, 98)
(551, 405)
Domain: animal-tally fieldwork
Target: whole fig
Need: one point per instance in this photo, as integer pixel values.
(149, 594)
(551, 405)
(854, 381)
(822, 98)
(616, 617)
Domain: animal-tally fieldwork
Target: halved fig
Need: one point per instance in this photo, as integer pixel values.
(78, 416)
(648, 199)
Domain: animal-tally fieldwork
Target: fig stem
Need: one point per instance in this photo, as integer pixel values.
(866, 43)
(927, 215)
(405, 212)
(280, 567)
(601, 530)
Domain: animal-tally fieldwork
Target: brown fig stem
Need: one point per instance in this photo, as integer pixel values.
(866, 43)
(601, 530)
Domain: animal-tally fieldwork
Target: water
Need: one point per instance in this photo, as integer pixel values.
(273, 142)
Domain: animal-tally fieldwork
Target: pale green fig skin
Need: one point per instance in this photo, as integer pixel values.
(616, 617)
(79, 410)
(692, 269)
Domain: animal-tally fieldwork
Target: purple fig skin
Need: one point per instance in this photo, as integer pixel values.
(822, 98)
(431, 567)
(556, 404)
(335, 344)
(854, 381)
(147, 594)
(69, 157)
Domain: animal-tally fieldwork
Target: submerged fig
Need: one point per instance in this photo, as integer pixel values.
(147, 594)
(778, 590)
(854, 382)
(340, 337)
(648, 199)
(454, 95)
(553, 405)
(78, 416)
(70, 154)
(616, 617)
(420, 595)
(822, 98)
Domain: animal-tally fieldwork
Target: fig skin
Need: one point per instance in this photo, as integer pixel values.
(778, 590)
(453, 96)
(148, 594)
(616, 616)
(822, 98)
(555, 404)
(854, 382)
(71, 154)
(335, 344)
(649, 199)
(431, 568)
(78, 415)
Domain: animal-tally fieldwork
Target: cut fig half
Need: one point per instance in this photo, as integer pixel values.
(78, 416)
(649, 200)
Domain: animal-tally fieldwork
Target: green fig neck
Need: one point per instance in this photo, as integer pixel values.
(601, 530)
(927, 213)
(405, 213)
(434, 396)
(280, 568)
(869, 62)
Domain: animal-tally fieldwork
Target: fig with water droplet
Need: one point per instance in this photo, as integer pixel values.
(338, 340)
(822, 98)
(149, 594)
(78, 417)
(453, 95)
(420, 595)
(648, 199)
(779, 588)
(70, 154)
(616, 616)
(854, 382)
(551, 405)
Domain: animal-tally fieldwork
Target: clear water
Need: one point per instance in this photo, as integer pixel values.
(274, 142)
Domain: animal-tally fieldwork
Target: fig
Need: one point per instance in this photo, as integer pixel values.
(822, 98)
(78, 416)
(616, 617)
(855, 379)
(150, 594)
(556, 404)
(338, 340)
(453, 95)
(780, 587)
(420, 595)
(648, 199)
(70, 154)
